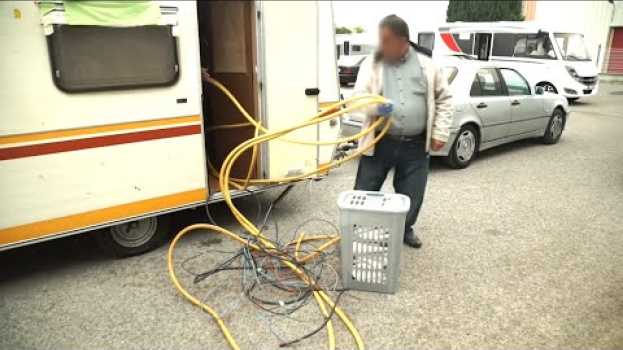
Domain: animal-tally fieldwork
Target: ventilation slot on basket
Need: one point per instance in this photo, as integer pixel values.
(370, 254)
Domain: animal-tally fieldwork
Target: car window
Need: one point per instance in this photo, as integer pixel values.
(486, 83)
(515, 83)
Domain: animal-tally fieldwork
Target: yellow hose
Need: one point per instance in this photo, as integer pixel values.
(225, 181)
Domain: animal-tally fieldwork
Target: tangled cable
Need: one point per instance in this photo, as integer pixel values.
(291, 257)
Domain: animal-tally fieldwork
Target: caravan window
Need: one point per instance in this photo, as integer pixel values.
(523, 45)
(534, 46)
(465, 42)
(503, 44)
(426, 40)
(88, 58)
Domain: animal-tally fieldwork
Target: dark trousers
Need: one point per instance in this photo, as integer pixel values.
(410, 162)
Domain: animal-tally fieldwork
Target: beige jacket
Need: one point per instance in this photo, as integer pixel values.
(439, 99)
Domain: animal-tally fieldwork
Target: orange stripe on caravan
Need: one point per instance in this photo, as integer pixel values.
(98, 216)
(45, 135)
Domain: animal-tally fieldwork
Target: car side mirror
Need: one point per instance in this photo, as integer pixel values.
(539, 90)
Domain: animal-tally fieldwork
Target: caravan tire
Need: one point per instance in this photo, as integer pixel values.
(135, 237)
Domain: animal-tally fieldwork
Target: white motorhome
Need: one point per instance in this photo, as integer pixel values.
(552, 58)
(107, 124)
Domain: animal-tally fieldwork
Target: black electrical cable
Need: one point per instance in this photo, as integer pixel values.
(315, 331)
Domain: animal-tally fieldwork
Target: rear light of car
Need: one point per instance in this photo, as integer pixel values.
(346, 70)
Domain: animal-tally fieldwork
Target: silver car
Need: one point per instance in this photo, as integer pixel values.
(494, 104)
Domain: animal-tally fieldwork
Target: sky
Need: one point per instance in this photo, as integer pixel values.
(368, 13)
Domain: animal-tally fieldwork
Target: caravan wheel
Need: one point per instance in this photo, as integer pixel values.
(135, 237)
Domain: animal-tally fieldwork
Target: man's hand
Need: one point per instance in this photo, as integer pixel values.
(436, 145)
(385, 108)
(205, 75)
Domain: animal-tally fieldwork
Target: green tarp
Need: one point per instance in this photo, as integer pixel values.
(107, 13)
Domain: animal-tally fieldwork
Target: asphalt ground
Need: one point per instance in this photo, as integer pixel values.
(523, 249)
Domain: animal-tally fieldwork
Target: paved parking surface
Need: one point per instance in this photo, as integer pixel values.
(524, 249)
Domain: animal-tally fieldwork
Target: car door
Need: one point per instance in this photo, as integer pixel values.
(491, 104)
(527, 112)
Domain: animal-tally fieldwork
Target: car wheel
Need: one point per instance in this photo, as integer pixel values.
(464, 148)
(555, 127)
(135, 237)
(548, 87)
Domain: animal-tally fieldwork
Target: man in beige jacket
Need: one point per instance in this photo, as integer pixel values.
(420, 109)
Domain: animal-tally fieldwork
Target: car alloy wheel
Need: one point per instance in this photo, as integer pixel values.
(556, 125)
(465, 146)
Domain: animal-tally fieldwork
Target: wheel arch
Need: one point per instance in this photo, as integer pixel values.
(543, 82)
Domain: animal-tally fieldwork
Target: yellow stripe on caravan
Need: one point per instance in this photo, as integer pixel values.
(99, 216)
(44, 135)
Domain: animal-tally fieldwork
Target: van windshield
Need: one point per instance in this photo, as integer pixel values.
(572, 46)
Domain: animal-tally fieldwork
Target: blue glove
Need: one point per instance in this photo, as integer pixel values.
(385, 108)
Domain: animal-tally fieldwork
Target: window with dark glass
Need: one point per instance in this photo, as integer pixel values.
(426, 40)
(486, 83)
(89, 58)
(503, 44)
(465, 42)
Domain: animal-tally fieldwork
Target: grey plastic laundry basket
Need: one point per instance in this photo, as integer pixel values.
(372, 228)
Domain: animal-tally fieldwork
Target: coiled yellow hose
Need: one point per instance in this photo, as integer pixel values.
(264, 135)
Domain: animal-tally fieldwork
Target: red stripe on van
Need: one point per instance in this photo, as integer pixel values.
(448, 39)
(95, 142)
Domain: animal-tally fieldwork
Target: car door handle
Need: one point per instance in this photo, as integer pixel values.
(481, 105)
(515, 103)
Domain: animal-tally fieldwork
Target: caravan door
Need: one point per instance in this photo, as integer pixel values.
(289, 40)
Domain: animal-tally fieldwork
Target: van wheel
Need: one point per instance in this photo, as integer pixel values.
(464, 148)
(555, 127)
(548, 87)
(135, 237)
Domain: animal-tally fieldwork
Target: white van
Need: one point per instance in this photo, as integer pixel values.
(554, 59)
(106, 122)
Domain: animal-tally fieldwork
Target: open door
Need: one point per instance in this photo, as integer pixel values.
(227, 37)
(289, 32)
(482, 46)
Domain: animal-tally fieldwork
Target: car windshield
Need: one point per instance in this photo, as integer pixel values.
(572, 46)
(449, 72)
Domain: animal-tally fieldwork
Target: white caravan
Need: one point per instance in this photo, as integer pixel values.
(103, 121)
(553, 58)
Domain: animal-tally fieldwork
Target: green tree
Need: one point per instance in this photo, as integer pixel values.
(484, 10)
(358, 29)
(342, 30)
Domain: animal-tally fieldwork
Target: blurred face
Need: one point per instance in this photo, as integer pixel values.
(392, 46)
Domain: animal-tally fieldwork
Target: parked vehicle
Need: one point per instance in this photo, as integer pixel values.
(349, 68)
(494, 104)
(556, 58)
(104, 126)
(354, 44)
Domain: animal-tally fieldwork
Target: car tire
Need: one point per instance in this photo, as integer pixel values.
(555, 126)
(548, 87)
(134, 237)
(464, 148)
